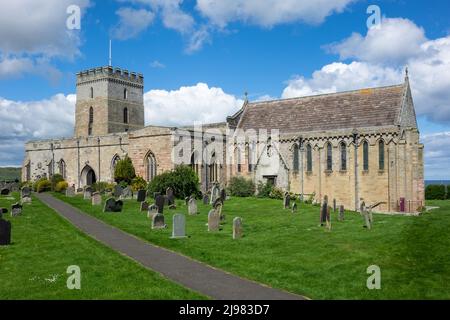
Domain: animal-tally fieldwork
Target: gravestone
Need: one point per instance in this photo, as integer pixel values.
(70, 192)
(217, 202)
(5, 192)
(118, 190)
(218, 209)
(25, 195)
(179, 226)
(141, 195)
(223, 194)
(87, 193)
(341, 213)
(113, 205)
(159, 202)
(215, 193)
(16, 210)
(334, 205)
(324, 212)
(152, 211)
(155, 194)
(237, 228)
(287, 200)
(328, 219)
(213, 220)
(5, 229)
(192, 206)
(96, 199)
(205, 199)
(144, 206)
(127, 193)
(294, 207)
(186, 200)
(170, 197)
(368, 218)
(80, 190)
(158, 221)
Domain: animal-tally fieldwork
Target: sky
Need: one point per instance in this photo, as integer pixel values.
(199, 57)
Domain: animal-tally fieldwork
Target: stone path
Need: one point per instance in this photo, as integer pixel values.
(214, 283)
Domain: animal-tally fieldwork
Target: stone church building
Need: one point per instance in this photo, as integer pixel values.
(354, 146)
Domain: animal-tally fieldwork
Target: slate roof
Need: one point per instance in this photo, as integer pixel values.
(375, 107)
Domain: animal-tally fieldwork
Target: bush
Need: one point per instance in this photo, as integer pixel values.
(183, 180)
(435, 192)
(61, 186)
(55, 179)
(36, 183)
(241, 187)
(264, 189)
(102, 186)
(138, 183)
(43, 185)
(276, 193)
(124, 171)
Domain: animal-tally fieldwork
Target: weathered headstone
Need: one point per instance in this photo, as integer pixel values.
(368, 218)
(158, 221)
(215, 193)
(179, 226)
(155, 194)
(223, 194)
(160, 202)
(294, 207)
(16, 210)
(328, 220)
(5, 192)
(334, 205)
(70, 192)
(192, 206)
(237, 228)
(287, 200)
(127, 193)
(186, 200)
(205, 199)
(141, 195)
(217, 202)
(25, 195)
(213, 220)
(341, 213)
(80, 190)
(5, 229)
(324, 211)
(218, 209)
(96, 199)
(152, 211)
(170, 197)
(87, 194)
(113, 205)
(118, 190)
(144, 206)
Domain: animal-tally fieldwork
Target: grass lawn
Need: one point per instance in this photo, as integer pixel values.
(292, 252)
(44, 245)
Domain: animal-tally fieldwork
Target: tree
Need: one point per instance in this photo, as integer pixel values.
(183, 180)
(124, 171)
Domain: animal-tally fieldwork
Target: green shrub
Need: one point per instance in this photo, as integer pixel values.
(55, 179)
(435, 192)
(102, 186)
(138, 183)
(264, 189)
(241, 187)
(61, 186)
(124, 171)
(276, 193)
(43, 186)
(183, 180)
(36, 183)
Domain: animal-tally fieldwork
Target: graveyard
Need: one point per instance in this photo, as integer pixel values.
(290, 250)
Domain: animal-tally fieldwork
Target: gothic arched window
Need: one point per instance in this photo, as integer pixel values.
(150, 161)
(329, 157)
(125, 115)
(381, 155)
(249, 151)
(365, 156)
(343, 156)
(295, 158)
(309, 158)
(213, 174)
(62, 168)
(194, 162)
(125, 94)
(238, 159)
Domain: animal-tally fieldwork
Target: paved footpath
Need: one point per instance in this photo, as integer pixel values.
(214, 283)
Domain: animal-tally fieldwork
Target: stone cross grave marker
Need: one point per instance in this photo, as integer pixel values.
(179, 226)
(237, 228)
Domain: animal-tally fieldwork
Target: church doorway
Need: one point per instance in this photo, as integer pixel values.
(88, 177)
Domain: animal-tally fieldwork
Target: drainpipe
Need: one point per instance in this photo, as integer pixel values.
(78, 169)
(302, 149)
(355, 142)
(99, 165)
(53, 159)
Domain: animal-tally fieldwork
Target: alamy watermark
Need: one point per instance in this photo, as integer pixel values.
(74, 280)
(73, 21)
(374, 280)
(374, 20)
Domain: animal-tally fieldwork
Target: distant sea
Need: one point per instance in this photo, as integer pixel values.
(438, 182)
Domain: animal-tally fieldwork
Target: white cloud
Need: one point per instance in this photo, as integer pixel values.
(437, 155)
(187, 105)
(132, 22)
(269, 12)
(157, 64)
(395, 41)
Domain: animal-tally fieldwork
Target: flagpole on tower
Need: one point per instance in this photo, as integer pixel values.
(110, 53)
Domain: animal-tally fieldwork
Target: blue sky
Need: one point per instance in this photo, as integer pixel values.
(202, 56)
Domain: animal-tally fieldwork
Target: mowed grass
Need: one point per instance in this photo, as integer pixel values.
(44, 245)
(291, 252)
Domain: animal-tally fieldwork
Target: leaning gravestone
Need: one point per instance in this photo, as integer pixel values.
(294, 207)
(144, 206)
(5, 229)
(217, 202)
(96, 199)
(218, 209)
(152, 211)
(155, 194)
(287, 200)
(16, 210)
(127, 193)
(158, 221)
(87, 194)
(141, 195)
(111, 205)
(237, 228)
(341, 213)
(170, 197)
(192, 206)
(70, 192)
(179, 226)
(334, 205)
(223, 195)
(5, 192)
(205, 199)
(215, 193)
(367, 215)
(118, 190)
(160, 202)
(213, 220)
(186, 200)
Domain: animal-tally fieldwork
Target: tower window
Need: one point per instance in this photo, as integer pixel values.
(366, 156)
(125, 94)
(343, 156)
(296, 163)
(329, 157)
(91, 120)
(381, 154)
(309, 158)
(125, 115)
(92, 93)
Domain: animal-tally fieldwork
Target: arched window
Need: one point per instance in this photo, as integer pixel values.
(62, 168)
(237, 152)
(125, 94)
(329, 157)
(28, 171)
(213, 169)
(343, 156)
(125, 115)
(249, 151)
(365, 156)
(381, 155)
(91, 121)
(295, 158)
(50, 169)
(309, 158)
(194, 162)
(92, 93)
(151, 166)
(114, 161)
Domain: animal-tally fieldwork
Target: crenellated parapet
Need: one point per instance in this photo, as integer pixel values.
(111, 74)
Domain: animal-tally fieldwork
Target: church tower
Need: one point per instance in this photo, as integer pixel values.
(109, 100)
